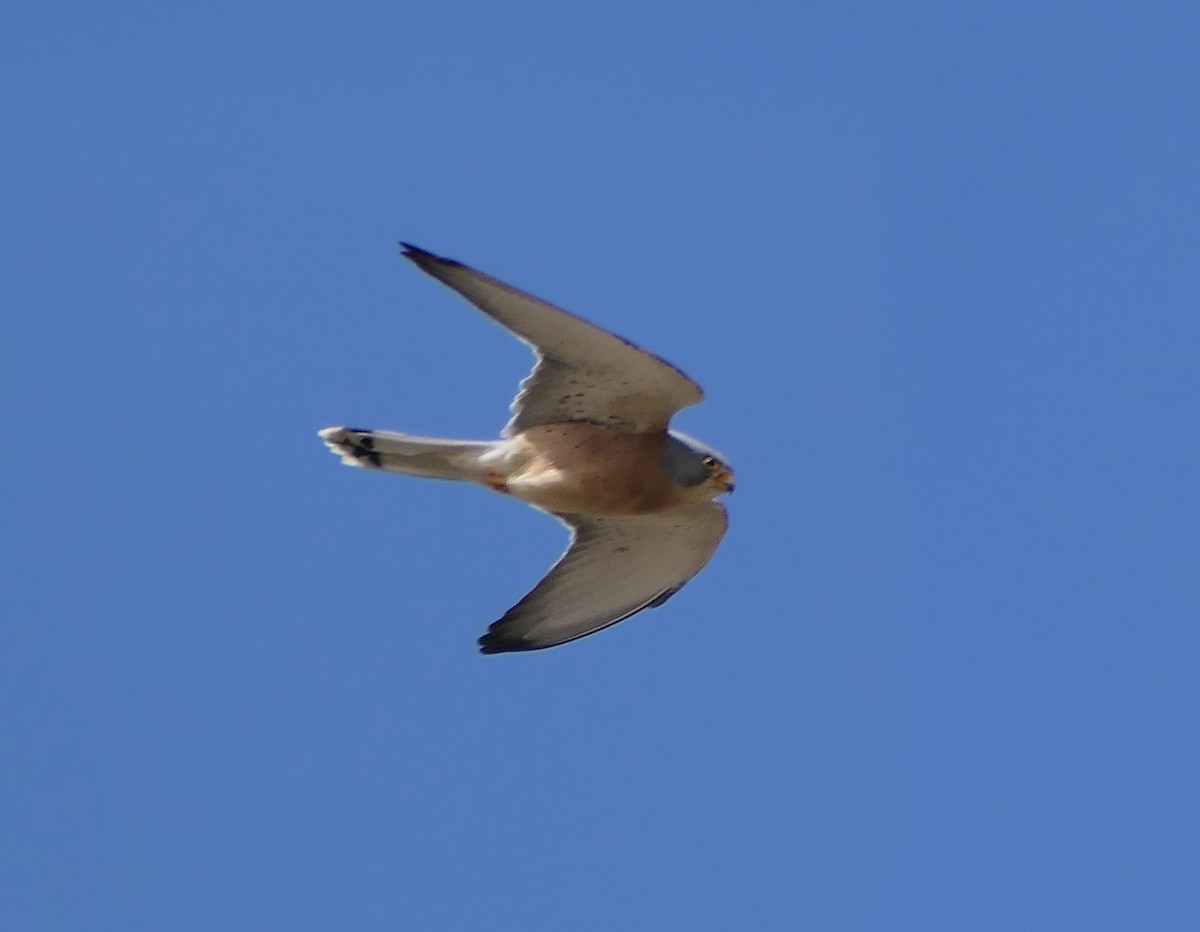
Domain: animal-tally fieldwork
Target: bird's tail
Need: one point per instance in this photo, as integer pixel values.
(413, 456)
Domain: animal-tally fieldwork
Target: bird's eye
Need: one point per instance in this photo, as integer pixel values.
(710, 461)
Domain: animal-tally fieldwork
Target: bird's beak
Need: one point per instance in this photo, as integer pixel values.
(725, 480)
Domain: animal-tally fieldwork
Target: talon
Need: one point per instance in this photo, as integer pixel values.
(496, 483)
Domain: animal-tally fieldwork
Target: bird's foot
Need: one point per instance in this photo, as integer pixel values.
(496, 482)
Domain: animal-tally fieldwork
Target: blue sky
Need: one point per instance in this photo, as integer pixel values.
(935, 265)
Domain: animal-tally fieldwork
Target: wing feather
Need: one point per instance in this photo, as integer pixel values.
(613, 568)
(582, 373)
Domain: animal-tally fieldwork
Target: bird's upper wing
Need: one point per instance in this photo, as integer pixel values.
(613, 568)
(582, 373)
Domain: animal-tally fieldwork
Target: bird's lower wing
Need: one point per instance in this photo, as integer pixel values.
(583, 373)
(613, 568)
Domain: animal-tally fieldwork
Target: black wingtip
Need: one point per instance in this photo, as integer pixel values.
(498, 641)
(416, 253)
(426, 260)
(495, 645)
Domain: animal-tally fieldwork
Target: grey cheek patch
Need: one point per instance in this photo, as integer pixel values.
(683, 466)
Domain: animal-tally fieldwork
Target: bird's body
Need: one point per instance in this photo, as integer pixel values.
(577, 467)
(588, 443)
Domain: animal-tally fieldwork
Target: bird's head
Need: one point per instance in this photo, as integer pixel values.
(691, 464)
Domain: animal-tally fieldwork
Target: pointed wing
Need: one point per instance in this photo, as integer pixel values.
(582, 373)
(613, 568)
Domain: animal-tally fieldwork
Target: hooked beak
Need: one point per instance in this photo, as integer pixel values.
(724, 479)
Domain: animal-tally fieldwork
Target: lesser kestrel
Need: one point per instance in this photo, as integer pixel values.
(589, 443)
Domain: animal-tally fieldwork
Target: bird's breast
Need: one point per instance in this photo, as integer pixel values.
(581, 468)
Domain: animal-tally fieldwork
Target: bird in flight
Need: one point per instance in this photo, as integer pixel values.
(589, 443)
